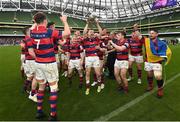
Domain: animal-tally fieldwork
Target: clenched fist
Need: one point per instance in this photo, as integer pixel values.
(63, 18)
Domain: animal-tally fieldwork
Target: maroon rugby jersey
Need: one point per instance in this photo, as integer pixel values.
(75, 50)
(42, 43)
(22, 47)
(89, 44)
(136, 47)
(102, 45)
(122, 55)
(65, 47)
(26, 41)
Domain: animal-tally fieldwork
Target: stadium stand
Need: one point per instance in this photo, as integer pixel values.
(11, 22)
(26, 17)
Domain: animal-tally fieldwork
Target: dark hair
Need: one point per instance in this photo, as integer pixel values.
(122, 33)
(39, 17)
(25, 30)
(50, 24)
(155, 30)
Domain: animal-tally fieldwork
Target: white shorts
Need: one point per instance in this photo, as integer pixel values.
(57, 58)
(22, 60)
(121, 64)
(74, 64)
(22, 57)
(92, 61)
(29, 68)
(152, 66)
(137, 59)
(63, 57)
(47, 72)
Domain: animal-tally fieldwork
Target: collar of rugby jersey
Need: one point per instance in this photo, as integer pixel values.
(39, 29)
(122, 41)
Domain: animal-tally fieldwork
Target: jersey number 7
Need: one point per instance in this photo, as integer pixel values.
(38, 42)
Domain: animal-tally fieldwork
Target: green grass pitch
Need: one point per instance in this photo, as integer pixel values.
(73, 104)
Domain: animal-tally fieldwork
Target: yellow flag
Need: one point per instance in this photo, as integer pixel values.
(154, 58)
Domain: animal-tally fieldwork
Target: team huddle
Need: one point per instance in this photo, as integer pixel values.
(47, 51)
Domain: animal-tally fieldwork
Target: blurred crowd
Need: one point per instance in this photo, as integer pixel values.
(6, 41)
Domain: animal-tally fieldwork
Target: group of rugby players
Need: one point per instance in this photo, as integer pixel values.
(44, 46)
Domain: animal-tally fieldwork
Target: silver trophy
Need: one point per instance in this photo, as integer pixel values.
(92, 18)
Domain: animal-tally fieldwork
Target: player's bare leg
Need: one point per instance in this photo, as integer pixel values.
(150, 80)
(95, 79)
(102, 73)
(130, 70)
(160, 83)
(123, 73)
(70, 72)
(88, 72)
(33, 95)
(80, 72)
(98, 75)
(118, 78)
(139, 72)
(27, 84)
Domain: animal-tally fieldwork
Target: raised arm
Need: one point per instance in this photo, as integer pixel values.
(67, 30)
(86, 28)
(82, 56)
(99, 27)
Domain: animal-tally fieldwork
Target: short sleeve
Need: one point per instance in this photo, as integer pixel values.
(126, 44)
(30, 43)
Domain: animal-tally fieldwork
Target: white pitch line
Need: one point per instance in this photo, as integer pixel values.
(133, 102)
